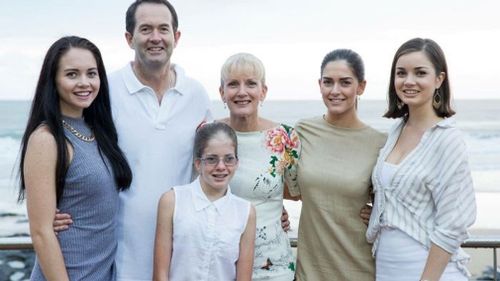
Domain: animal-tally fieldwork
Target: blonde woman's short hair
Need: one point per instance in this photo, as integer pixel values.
(243, 63)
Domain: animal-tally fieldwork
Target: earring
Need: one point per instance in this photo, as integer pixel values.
(261, 103)
(400, 104)
(436, 100)
(224, 102)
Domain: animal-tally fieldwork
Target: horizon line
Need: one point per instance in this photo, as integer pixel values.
(281, 99)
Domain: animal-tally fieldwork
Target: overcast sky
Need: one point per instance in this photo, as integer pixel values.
(290, 37)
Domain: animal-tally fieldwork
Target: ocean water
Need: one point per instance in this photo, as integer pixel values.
(478, 119)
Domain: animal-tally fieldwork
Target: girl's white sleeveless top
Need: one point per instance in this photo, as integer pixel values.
(206, 235)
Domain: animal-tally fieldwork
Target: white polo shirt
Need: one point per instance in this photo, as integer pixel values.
(157, 140)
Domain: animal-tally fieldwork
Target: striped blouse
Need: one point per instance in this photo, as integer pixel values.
(431, 196)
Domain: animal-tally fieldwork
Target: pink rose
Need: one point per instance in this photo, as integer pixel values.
(293, 140)
(277, 140)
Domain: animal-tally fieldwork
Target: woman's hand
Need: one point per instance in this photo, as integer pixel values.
(285, 223)
(61, 222)
(365, 213)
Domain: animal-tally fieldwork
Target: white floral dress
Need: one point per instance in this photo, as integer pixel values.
(267, 159)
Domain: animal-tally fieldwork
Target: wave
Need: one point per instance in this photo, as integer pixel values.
(13, 134)
(485, 135)
(9, 143)
(9, 151)
(479, 127)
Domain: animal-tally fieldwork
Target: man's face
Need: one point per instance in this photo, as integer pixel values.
(154, 38)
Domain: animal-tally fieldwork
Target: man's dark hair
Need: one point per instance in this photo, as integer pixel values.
(130, 15)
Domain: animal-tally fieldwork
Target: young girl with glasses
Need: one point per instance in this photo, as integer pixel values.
(203, 231)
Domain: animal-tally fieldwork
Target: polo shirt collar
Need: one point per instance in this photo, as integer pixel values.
(131, 82)
(182, 84)
(200, 200)
(134, 85)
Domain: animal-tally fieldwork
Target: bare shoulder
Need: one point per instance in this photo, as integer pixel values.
(223, 120)
(42, 138)
(167, 199)
(252, 219)
(40, 159)
(252, 212)
(267, 124)
(166, 205)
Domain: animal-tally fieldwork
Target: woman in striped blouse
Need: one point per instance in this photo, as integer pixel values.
(424, 198)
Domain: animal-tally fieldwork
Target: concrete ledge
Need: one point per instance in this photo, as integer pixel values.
(22, 243)
(16, 243)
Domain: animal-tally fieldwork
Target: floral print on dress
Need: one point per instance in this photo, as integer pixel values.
(284, 143)
(268, 161)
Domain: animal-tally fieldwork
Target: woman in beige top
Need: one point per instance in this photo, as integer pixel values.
(334, 171)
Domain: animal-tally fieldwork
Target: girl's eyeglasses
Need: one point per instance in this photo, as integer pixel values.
(212, 160)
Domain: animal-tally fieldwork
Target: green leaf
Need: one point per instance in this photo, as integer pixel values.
(273, 161)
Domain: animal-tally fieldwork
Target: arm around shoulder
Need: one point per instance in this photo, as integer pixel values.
(244, 264)
(163, 239)
(40, 180)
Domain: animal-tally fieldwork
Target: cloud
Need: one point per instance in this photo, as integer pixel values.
(289, 36)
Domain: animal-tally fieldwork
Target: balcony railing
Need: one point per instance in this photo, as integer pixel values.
(484, 242)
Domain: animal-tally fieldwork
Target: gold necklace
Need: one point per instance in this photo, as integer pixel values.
(77, 134)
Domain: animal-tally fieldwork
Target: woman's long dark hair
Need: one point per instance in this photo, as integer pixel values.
(45, 110)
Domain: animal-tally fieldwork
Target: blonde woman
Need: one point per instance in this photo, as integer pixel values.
(268, 152)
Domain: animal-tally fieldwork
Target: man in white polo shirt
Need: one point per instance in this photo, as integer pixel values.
(156, 109)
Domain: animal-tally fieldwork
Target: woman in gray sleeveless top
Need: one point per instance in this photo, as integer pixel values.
(70, 160)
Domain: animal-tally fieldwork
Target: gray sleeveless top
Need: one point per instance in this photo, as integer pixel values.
(91, 197)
